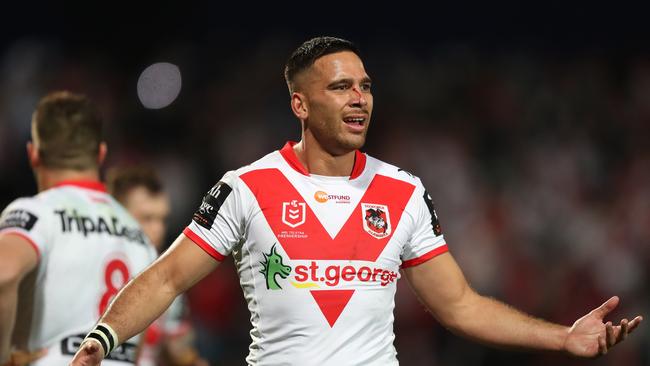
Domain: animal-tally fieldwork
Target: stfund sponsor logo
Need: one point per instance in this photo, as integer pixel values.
(322, 197)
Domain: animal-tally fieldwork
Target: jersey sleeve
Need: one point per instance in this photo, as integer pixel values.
(426, 240)
(27, 218)
(217, 225)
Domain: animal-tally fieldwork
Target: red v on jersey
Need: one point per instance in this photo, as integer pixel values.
(352, 242)
(332, 302)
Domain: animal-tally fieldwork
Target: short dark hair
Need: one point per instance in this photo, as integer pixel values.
(310, 51)
(122, 180)
(69, 130)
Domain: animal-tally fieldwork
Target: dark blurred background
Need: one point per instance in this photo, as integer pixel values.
(529, 124)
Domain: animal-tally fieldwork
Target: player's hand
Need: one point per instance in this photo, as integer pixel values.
(90, 353)
(22, 358)
(590, 337)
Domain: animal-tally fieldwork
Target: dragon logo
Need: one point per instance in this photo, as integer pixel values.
(272, 266)
(376, 220)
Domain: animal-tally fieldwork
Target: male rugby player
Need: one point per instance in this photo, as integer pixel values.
(321, 232)
(65, 252)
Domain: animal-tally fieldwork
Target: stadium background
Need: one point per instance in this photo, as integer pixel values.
(529, 125)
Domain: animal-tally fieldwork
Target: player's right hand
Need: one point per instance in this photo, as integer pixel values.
(90, 353)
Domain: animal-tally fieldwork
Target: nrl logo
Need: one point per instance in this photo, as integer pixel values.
(273, 266)
(294, 213)
(376, 220)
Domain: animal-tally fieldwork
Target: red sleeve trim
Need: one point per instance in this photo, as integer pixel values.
(26, 237)
(425, 257)
(203, 244)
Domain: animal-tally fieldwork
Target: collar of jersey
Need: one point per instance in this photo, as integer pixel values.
(88, 184)
(290, 156)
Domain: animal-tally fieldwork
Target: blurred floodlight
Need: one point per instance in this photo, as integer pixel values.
(159, 85)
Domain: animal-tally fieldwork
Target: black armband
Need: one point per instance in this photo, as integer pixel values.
(106, 337)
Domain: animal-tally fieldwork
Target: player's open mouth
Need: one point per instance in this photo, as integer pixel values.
(355, 122)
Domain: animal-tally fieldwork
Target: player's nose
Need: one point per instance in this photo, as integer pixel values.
(357, 97)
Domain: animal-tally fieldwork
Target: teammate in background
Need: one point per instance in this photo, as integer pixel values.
(140, 191)
(65, 252)
(321, 232)
(167, 341)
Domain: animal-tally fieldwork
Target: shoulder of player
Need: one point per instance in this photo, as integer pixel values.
(58, 198)
(53, 197)
(33, 203)
(383, 168)
(23, 213)
(270, 161)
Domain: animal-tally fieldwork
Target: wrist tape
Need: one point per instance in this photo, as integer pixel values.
(105, 335)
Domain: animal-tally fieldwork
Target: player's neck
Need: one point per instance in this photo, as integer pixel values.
(47, 178)
(320, 162)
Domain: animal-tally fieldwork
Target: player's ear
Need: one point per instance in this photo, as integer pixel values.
(299, 105)
(32, 155)
(101, 156)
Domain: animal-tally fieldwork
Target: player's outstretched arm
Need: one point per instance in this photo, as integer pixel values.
(17, 259)
(441, 286)
(145, 297)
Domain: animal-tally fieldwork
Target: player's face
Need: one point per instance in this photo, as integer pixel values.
(339, 102)
(151, 211)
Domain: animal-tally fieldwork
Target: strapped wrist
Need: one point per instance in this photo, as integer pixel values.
(105, 335)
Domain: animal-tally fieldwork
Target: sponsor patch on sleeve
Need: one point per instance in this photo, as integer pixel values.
(437, 229)
(212, 201)
(20, 219)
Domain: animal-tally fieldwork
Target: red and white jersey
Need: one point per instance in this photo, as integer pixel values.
(318, 257)
(88, 246)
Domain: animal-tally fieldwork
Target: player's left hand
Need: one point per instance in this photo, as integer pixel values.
(590, 337)
(23, 358)
(90, 353)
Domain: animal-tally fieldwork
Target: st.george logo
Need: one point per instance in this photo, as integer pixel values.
(376, 220)
(294, 213)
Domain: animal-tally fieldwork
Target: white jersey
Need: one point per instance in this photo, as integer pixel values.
(88, 246)
(318, 257)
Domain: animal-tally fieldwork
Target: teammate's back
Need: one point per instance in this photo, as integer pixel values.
(88, 247)
(65, 252)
